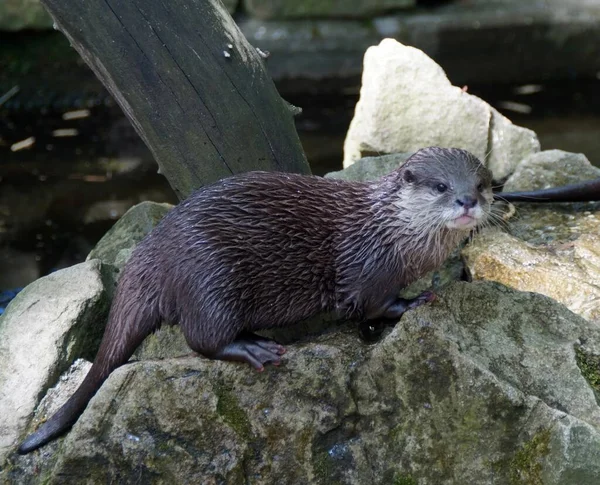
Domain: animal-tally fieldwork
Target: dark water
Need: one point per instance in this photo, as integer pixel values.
(60, 194)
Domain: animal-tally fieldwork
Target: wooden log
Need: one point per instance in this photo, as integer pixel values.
(194, 88)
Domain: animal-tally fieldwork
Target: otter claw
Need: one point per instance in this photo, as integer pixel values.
(425, 297)
(371, 330)
(255, 352)
(397, 309)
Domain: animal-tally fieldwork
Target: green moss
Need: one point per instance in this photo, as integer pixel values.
(431, 373)
(231, 412)
(324, 469)
(303, 444)
(405, 480)
(514, 330)
(589, 365)
(397, 433)
(525, 467)
(46, 478)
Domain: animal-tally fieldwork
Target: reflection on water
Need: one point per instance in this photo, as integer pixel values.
(79, 171)
(565, 115)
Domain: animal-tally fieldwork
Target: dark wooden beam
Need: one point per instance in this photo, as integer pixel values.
(194, 88)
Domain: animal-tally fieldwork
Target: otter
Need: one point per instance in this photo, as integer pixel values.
(265, 249)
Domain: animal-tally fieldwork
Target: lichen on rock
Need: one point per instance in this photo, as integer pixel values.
(482, 386)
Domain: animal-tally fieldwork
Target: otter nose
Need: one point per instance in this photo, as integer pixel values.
(467, 201)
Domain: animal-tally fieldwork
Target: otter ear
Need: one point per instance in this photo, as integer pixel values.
(408, 177)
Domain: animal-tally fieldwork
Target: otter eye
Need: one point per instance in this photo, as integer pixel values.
(441, 188)
(480, 187)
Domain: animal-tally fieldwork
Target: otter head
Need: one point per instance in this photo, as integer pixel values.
(445, 187)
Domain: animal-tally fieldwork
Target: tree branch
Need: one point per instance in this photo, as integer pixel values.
(193, 87)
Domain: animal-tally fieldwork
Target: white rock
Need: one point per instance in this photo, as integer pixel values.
(407, 102)
(50, 323)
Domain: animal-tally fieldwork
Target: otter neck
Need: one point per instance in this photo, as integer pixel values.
(422, 249)
(384, 237)
(420, 237)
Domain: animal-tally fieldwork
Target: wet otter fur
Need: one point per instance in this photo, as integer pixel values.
(262, 250)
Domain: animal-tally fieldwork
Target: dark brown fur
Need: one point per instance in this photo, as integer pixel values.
(261, 250)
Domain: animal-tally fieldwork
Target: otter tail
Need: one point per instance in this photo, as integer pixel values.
(133, 316)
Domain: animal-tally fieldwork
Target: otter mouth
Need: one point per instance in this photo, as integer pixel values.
(463, 222)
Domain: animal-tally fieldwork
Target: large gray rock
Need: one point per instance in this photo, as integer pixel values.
(371, 168)
(284, 9)
(116, 245)
(550, 249)
(61, 317)
(486, 385)
(64, 388)
(550, 168)
(51, 322)
(407, 102)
